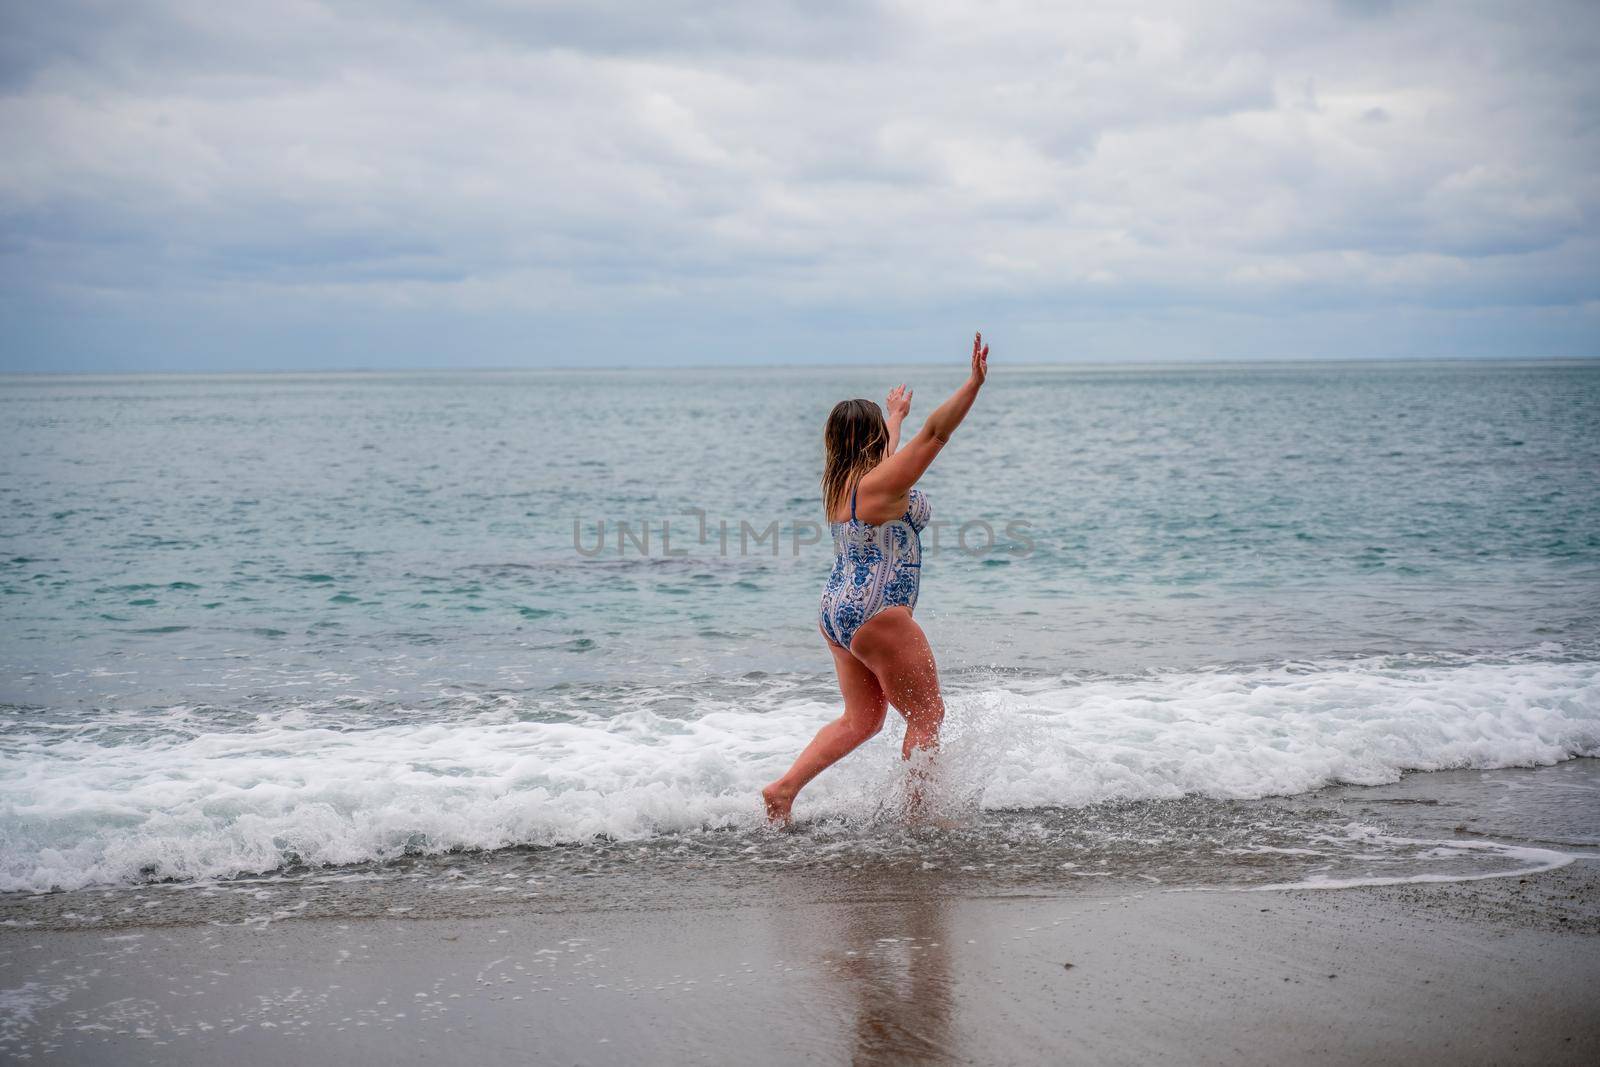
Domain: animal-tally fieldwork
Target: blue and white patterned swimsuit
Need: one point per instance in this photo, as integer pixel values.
(875, 567)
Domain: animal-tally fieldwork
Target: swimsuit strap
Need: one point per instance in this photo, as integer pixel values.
(853, 503)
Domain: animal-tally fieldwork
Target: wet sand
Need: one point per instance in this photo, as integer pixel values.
(1504, 970)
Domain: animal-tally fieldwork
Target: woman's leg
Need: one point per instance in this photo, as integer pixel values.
(864, 708)
(895, 649)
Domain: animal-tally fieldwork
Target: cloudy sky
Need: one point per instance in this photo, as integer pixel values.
(195, 184)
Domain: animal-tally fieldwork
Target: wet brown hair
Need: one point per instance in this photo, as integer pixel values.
(854, 442)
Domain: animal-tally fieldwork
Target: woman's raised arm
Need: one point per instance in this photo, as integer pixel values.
(895, 476)
(898, 406)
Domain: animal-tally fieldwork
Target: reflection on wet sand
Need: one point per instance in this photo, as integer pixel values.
(892, 971)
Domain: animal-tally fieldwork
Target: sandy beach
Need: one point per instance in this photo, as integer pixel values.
(1495, 971)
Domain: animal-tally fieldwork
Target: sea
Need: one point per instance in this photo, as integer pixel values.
(444, 643)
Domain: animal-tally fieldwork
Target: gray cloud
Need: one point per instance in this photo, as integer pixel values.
(193, 184)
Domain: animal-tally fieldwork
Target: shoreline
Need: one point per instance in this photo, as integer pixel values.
(1110, 934)
(1501, 970)
(1438, 827)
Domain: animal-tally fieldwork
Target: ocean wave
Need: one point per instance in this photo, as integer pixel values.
(78, 811)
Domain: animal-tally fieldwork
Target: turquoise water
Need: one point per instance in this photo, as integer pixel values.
(406, 531)
(221, 580)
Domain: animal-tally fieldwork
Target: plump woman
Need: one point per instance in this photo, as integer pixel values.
(877, 515)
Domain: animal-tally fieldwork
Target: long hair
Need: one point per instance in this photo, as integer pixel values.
(854, 442)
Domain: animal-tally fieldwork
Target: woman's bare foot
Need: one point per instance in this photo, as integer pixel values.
(778, 801)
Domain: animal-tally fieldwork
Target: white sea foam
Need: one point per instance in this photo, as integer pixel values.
(1460, 861)
(1526, 860)
(76, 811)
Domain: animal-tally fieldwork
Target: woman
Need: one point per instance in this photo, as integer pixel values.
(880, 652)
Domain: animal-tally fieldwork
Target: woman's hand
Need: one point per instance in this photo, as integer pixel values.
(899, 403)
(980, 359)
(885, 486)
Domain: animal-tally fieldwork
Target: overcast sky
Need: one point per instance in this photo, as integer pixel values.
(203, 184)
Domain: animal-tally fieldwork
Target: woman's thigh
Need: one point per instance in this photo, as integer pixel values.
(893, 647)
(864, 701)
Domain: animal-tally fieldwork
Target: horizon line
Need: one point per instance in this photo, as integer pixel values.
(502, 368)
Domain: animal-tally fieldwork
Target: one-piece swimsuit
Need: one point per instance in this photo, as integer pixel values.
(874, 567)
